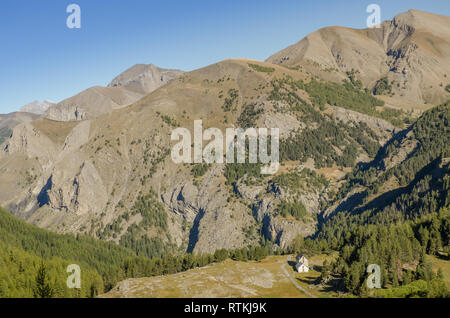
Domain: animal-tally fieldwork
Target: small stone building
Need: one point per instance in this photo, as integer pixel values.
(302, 265)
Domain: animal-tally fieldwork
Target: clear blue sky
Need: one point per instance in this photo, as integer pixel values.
(40, 58)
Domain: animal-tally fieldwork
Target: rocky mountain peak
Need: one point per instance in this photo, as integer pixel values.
(144, 78)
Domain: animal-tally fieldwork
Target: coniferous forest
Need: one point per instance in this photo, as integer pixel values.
(34, 262)
(397, 229)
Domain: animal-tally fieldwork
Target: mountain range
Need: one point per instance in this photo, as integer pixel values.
(364, 136)
(125, 89)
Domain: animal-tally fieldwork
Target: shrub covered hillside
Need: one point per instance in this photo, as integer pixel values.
(324, 139)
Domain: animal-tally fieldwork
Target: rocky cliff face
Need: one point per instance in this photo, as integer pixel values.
(9, 121)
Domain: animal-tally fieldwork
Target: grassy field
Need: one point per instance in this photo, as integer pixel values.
(442, 264)
(265, 279)
(310, 280)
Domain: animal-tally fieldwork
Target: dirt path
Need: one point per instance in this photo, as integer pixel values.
(283, 267)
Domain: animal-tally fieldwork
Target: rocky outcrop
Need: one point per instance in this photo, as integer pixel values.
(214, 222)
(29, 141)
(282, 231)
(183, 200)
(9, 121)
(382, 128)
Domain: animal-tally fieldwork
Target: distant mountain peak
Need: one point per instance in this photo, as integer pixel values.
(144, 78)
(37, 107)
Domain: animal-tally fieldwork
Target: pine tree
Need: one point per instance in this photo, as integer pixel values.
(43, 288)
(395, 280)
(406, 278)
(325, 270)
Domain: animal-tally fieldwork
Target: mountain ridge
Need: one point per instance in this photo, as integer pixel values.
(127, 88)
(399, 50)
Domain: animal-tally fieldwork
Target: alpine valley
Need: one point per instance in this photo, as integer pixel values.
(364, 176)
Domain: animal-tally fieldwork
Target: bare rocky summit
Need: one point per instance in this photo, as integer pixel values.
(144, 79)
(36, 107)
